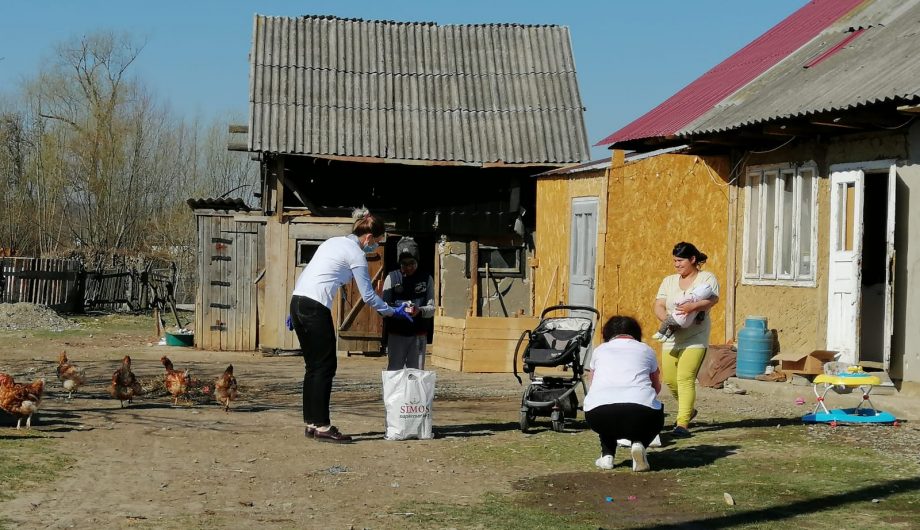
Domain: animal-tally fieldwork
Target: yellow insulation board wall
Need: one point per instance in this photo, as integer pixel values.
(554, 221)
(652, 204)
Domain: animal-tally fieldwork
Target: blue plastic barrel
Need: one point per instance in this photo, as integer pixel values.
(755, 347)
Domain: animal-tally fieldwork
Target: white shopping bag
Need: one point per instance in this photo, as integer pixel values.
(408, 395)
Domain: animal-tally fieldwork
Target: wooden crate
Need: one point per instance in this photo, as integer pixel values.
(478, 344)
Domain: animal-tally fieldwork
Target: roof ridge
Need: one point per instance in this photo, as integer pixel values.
(412, 23)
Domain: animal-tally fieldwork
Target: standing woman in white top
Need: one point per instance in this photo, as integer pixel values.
(623, 399)
(682, 353)
(336, 262)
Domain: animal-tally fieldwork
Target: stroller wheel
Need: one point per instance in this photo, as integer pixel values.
(526, 420)
(558, 421)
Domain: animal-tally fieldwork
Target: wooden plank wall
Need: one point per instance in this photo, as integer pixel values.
(447, 343)
(478, 344)
(281, 272)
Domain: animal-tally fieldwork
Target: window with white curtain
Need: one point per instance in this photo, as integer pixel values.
(780, 225)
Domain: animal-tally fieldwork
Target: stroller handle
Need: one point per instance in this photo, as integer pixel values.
(550, 309)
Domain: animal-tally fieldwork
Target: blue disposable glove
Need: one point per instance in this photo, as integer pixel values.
(400, 311)
(289, 323)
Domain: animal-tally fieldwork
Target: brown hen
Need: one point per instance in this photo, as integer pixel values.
(176, 381)
(21, 400)
(125, 386)
(225, 388)
(72, 377)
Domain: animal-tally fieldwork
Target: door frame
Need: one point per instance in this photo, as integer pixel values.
(573, 244)
(836, 329)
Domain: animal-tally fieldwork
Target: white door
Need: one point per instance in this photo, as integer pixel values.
(844, 278)
(583, 251)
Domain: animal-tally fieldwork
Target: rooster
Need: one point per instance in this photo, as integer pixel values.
(176, 382)
(125, 386)
(225, 388)
(71, 376)
(21, 400)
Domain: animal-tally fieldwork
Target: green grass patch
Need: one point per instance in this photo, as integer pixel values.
(779, 472)
(27, 460)
(94, 324)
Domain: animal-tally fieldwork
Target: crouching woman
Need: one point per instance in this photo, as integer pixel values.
(622, 401)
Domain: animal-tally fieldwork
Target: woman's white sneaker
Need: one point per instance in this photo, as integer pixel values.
(604, 462)
(639, 460)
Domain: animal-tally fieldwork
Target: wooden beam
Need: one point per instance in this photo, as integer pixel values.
(474, 278)
(430, 163)
(238, 129)
(237, 146)
(835, 122)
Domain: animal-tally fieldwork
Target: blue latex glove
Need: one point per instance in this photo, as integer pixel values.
(289, 323)
(400, 311)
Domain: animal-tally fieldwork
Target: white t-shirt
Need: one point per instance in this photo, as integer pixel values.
(336, 262)
(696, 335)
(621, 370)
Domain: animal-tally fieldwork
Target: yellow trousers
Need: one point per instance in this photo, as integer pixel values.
(679, 367)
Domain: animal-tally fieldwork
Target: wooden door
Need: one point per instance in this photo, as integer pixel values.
(358, 327)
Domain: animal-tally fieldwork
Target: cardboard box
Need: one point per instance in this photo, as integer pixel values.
(804, 363)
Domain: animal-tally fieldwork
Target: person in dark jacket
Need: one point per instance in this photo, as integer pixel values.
(407, 341)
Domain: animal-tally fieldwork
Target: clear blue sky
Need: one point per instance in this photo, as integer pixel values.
(630, 55)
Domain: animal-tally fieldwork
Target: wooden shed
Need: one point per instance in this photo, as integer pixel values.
(349, 112)
(231, 261)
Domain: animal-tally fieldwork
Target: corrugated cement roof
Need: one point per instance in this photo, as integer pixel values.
(415, 91)
(746, 64)
(879, 61)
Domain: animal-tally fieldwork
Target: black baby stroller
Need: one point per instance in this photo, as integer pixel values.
(556, 342)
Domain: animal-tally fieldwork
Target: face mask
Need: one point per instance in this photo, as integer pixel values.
(370, 247)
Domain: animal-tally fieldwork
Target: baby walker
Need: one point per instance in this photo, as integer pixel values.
(844, 381)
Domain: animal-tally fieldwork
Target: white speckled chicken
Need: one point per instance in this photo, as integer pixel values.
(72, 377)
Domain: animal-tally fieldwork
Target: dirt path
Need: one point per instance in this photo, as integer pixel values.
(152, 465)
(149, 460)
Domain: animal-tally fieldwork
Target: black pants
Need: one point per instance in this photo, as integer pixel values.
(316, 333)
(632, 421)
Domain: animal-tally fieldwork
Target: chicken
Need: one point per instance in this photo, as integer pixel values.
(177, 382)
(125, 386)
(71, 376)
(21, 400)
(225, 388)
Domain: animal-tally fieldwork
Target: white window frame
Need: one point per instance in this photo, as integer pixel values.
(782, 172)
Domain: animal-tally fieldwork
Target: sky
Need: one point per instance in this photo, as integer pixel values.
(629, 55)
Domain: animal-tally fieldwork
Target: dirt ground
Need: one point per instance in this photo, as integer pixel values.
(152, 465)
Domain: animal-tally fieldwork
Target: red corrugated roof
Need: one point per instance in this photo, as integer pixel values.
(733, 73)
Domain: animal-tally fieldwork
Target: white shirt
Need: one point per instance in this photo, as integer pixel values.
(696, 335)
(336, 262)
(621, 370)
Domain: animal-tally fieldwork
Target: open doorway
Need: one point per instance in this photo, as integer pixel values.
(874, 264)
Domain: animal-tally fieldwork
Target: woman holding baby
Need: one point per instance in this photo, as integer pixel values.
(682, 353)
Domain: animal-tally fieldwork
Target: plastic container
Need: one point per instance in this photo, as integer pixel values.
(180, 339)
(755, 347)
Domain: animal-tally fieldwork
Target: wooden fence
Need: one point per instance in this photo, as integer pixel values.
(65, 285)
(55, 283)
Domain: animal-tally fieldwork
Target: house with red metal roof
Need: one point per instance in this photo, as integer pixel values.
(817, 120)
